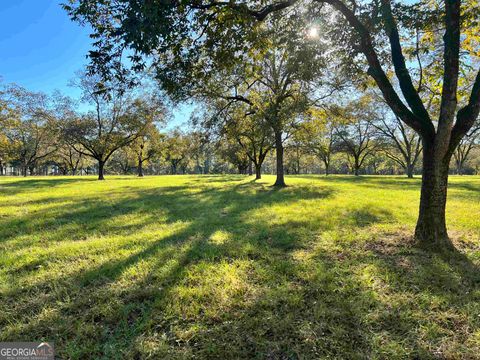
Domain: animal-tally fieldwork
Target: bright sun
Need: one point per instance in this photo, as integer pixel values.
(313, 32)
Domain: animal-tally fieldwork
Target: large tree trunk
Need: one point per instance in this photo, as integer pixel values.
(431, 230)
(101, 165)
(280, 181)
(356, 167)
(140, 167)
(409, 171)
(258, 172)
(327, 167)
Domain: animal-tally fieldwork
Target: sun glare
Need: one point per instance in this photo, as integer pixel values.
(313, 32)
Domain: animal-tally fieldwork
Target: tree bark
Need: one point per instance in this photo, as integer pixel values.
(459, 164)
(140, 167)
(356, 167)
(101, 165)
(327, 168)
(250, 168)
(280, 181)
(409, 171)
(258, 172)
(431, 229)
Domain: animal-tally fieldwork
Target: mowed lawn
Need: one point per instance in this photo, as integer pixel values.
(182, 267)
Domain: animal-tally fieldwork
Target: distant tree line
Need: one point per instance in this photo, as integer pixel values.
(124, 134)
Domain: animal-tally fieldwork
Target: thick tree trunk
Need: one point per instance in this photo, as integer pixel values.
(409, 171)
(101, 165)
(356, 166)
(431, 229)
(258, 172)
(327, 168)
(355, 169)
(280, 181)
(140, 167)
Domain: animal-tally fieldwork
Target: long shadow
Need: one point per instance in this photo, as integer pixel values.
(28, 184)
(462, 190)
(411, 284)
(140, 297)
(177, 204)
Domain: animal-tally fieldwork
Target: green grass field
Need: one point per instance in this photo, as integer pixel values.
(178, 267)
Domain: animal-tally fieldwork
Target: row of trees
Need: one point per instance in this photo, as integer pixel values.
(362, 133)
(36, 129)
(42, 135)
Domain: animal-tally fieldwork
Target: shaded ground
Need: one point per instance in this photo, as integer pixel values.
(223, 267)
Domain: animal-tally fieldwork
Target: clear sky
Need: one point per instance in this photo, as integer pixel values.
(41, 48)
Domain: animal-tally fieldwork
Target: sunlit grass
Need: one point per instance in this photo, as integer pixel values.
(224, 267)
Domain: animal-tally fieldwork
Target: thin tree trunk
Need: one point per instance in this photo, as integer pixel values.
(101, 165)
(140, 167)
(459, 167)
(250, 168)
(280, 181)
(431, 229)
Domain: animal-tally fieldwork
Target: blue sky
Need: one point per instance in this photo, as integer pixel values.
(41, 48)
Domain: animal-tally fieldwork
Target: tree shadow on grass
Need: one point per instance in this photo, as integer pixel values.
(221, 283)
(457, 190)
(202, 214)
(387, 182)
(30, 184)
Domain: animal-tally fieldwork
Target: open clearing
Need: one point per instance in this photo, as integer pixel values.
(220, 266)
